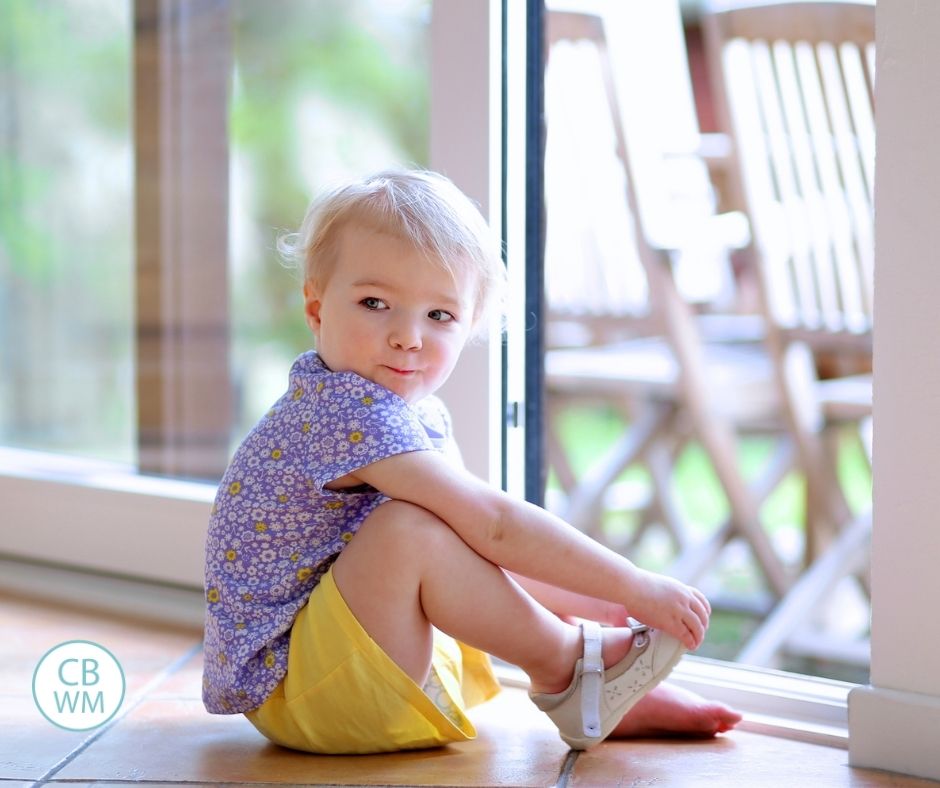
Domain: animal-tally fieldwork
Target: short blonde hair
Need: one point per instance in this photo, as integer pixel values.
(417, 206)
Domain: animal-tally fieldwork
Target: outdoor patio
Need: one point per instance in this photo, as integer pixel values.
(709, 287)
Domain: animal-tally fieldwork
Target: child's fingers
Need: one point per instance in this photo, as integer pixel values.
(693, 639)
(702, 610)
(695, 628)
(703, 599)
(697, 622)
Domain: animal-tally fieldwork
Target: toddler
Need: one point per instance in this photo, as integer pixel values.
(357, 576)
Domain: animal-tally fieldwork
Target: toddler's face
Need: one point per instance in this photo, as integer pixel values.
(389, 314)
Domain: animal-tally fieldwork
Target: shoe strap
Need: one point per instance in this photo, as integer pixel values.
(636, 626)
(640, 633)
(592, 678)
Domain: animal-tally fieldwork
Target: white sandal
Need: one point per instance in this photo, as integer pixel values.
(596, 700)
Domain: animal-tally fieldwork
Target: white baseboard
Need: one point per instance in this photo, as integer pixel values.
(896, 731)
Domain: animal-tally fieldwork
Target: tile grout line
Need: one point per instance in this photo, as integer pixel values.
(567, 768)
(151, 685)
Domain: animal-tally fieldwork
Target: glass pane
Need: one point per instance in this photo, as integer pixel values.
(668, 438)
(66, 229)
(322, 92)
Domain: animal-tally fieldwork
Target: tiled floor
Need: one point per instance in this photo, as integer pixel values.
(162, 735)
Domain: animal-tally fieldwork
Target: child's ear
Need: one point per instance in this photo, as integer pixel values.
(312, 307)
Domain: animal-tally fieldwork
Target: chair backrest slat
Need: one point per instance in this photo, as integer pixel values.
(582, 159)
(797, 82)
(794, 210)
(624, 183)
(833, 235)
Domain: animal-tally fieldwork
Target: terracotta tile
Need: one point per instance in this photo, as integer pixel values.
(870, 778)
(737, 759)
(185, 683)
(31, 628)
(29, 744)
(132, 784)
(175, 740)
(168, 738)
(36, 622)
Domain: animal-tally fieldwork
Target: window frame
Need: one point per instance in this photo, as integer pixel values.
(182, 64)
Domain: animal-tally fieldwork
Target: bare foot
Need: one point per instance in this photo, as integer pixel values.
(669, 710)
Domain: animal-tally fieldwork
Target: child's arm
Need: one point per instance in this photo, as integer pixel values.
(560, 601)
(532, 542)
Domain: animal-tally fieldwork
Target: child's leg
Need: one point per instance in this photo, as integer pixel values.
(406, 570)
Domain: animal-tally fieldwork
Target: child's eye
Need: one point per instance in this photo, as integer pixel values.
(440, 315)
(373, 303)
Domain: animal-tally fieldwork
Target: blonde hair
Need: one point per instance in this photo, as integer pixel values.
(417, 206)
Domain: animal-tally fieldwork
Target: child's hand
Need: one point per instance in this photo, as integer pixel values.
(665, 603)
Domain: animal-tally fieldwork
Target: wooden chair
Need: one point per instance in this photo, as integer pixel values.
(596, 301)
(795, 82)
(619, 228)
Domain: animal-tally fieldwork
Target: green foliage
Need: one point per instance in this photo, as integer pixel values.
(587, 432)
(63, 80)
(24, 246)
(318, 88)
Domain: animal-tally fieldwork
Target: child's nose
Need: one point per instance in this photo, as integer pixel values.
(405, 335)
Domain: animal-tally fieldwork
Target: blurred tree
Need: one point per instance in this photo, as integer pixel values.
(322, 91)
(65, 228)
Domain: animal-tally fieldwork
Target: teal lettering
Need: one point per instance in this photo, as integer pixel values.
(92, 706)
(86, 672)
(69, 699)
(74, 700)
(62, 675)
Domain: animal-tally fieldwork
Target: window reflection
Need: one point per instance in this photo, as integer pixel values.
(318, 92)
(66, 229)
(321, 92)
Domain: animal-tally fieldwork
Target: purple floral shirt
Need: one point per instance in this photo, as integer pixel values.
(275, 529)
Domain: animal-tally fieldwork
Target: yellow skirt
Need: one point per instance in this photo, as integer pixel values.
(343, 694)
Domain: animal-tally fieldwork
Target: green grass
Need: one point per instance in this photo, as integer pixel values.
(588, 432)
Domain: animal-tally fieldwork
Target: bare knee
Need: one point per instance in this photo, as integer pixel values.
(399, 524)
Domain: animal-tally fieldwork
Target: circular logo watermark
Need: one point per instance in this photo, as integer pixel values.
(78, 685)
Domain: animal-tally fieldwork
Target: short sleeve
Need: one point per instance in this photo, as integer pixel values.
(352, 423)
(436, 418)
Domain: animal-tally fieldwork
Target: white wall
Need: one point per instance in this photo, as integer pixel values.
(465, 147)
(895, 724)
